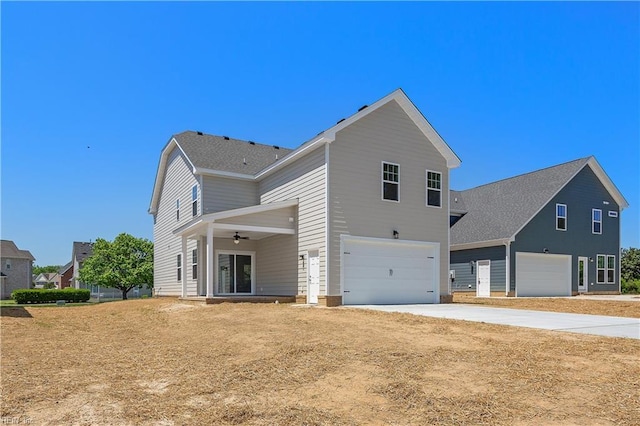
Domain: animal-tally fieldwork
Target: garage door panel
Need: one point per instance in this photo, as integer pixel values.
(543, 275)
(388, 272)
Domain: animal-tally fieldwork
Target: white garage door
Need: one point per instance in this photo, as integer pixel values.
(378, 271)
(543, 274)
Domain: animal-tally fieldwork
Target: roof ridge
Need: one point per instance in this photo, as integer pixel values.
(198, 133)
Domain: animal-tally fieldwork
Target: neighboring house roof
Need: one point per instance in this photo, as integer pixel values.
(9, 250)
(456, 204)
(202, 150)
(65, 268)
(81, 250)
(496, 212)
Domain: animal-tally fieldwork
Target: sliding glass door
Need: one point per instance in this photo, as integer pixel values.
(235, 273)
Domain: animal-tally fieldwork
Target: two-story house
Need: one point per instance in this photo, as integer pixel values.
(552, 232)
(359, 214)
(16, 267)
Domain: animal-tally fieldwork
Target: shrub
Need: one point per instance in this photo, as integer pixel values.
(71, 295)
(630, 287)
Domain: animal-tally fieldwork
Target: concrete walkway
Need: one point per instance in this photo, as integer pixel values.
(575, 323)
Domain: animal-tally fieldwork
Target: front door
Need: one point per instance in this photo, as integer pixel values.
(583, 269)
(483, 279)
(313, 279)
(235, 273)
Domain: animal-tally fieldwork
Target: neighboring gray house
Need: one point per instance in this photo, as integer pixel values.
(16, 268)
(80, 252)
(552, 232)
(358, 214)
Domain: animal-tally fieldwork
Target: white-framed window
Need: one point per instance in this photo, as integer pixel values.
(434, 189)
(561, 217)
(178, 210)
(179, 267)
(390, 182)
(596, 221)
(601, 269)
(194, 200)
(611, 269)
(613, 213)
(194, 264)
(7, 263)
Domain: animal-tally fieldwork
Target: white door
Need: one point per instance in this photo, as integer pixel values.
(483, 278)
(313, 277)
(583, 274)
(543, 275)
(380, 271)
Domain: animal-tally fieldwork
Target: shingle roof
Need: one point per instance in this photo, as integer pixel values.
(500, 209)
(228, 154)
(82, 250)
(8, 249)
(65, 268)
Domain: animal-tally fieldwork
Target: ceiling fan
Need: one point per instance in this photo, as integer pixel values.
(237, 238)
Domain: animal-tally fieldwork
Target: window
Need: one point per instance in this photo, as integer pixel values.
(596, 221)
(390, 182)
(179, 269)
(613, 213)
(611, 269)
(8, 263)
(434, 189)
(601, 268)
(178, 210)
(561, 217)
(194, 200)
(194, 264)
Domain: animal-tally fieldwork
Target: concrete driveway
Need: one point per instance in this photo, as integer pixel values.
(574, 323)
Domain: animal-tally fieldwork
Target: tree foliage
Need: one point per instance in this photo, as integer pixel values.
(124, 263)
(630, 264)
(46, 269)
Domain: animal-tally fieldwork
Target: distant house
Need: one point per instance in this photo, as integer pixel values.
(66, 275)
(81, 251)
(552, 232)
(47, 280)
(16, 268)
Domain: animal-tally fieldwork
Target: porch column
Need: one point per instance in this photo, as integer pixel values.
(183, 267)
(210, 260)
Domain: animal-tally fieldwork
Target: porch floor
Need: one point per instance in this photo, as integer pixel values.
(240, 299)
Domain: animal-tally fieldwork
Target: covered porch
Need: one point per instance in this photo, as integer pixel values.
(250, 252)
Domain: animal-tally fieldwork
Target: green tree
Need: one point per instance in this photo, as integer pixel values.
(37, 270)
(125, 263)
(630, 264)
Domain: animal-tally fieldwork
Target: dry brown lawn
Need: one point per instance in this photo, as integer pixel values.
(574, 305)
(165, 362)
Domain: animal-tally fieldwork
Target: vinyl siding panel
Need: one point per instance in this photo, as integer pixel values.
(466, 274)
(303, 179)
(355, 186)
(582, 194)
(277, 265)
(219, 194)
(176, 184)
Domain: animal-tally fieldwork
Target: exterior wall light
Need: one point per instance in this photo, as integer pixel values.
(396, 235)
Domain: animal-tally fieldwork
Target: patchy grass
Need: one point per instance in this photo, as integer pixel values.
(573, 305)
(165, 362)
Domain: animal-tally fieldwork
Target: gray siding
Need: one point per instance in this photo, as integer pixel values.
(466, 274)
(303, 179)
(583, 193)
(219, 194)
(18, 276)
(176, 184)
(356, 205)
(277, 266)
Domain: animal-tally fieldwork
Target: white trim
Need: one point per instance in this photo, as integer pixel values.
(383, 181)
(605, 269)
(608, 269)
(253, 271)
(594, 221)
(484, 262)
(612, 213)
(480, 244)
(309, 273)
(327, 221)
(426, 190)
(585, 270)
(210, 261)
(507, 268)
(251, 228)
(160, 172)
(565, 217)
(300, 151)
(220, 173)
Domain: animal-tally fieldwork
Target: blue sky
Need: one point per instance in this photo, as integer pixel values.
(91, 92)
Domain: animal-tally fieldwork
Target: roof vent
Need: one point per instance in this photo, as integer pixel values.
(252, 143)
(244, 161)
(199, 133)
(276, 156)
(276, 147)
(226, 138)
(340, 121)
(362, 107)
(321, 132)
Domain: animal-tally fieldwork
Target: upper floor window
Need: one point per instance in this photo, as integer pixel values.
(596, 221)
(390, 182)
(561, 217)
(178, 210)
(194, 200)
(434, 189)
